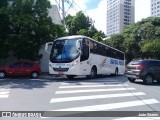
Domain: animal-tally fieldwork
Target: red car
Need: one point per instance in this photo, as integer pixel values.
(31, 69)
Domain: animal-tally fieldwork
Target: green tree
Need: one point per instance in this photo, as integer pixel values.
(116, 41)
(31, 27)
(76, 23)
(92, 31)
(81, 25)
(152, 48)
(139, 34)
(83, 32)
(4, 26)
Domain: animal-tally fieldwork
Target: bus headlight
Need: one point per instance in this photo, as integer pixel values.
(49, 63)
(75, 62)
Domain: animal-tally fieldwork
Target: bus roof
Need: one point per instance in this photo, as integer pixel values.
(71, 37)
(82, 36)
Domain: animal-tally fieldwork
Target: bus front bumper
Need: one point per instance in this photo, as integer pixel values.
(65, 71)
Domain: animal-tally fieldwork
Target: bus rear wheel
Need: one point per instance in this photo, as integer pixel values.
(116, 72)
(93, 73)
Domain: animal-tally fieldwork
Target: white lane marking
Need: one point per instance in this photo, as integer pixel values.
(4, 96)
(84, 86)
(92, 90)
(5, 92)
(55, 100)
(2, 89)
(90, 83)
(111, 106)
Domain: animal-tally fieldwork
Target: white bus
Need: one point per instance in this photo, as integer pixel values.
(80, 55)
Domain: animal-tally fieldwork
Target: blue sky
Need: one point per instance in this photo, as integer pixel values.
(96, 9)
(91, 4)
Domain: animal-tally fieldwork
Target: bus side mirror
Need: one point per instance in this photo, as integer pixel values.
(47, 46)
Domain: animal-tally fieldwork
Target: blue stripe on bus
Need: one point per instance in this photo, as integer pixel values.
(116, 62)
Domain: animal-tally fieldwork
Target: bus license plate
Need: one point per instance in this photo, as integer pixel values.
(60, 73)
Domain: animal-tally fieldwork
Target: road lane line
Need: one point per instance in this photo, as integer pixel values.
(4, 89)
(90, 82)
(55, 100)
(84, 86)
(111, 105)
(92, 90)
(4, 96)
(6, 92)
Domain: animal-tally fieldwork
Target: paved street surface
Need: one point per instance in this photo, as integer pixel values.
(106, 93)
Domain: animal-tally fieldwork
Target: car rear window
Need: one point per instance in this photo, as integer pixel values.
(135, 63)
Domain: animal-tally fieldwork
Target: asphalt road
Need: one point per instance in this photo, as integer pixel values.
(79, 95)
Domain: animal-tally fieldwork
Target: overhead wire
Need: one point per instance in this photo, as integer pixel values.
(72, 5)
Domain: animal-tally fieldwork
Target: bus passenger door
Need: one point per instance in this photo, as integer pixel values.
(84, 59)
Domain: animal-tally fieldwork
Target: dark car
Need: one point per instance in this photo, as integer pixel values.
(31, 69)
(147, 70)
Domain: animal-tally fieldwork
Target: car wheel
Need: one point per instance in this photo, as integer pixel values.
(148, 79)
(93, 73)
(2, 74)
(70, 76)
(131, 79)
(34, 75)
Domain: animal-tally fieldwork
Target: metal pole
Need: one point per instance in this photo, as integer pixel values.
(63, 13)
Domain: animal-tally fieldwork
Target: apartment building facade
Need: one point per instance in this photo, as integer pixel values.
(120, 13)
(155, 8)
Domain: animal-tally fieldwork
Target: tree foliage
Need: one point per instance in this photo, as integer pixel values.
(152, 48)
(29, 27)
(139, 40)
(81, 25)
(4, 24)
(116, 41)
(76, 23)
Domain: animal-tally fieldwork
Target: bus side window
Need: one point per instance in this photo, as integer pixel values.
(93, 47)
(85, 51)
(108, 52)
(112, 53)
(101, 50)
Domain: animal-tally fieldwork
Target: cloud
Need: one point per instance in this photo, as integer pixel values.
(142, 9)
(99, 15)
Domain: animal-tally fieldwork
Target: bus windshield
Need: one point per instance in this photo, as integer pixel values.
(64, 51)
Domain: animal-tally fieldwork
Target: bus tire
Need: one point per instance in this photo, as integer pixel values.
(93, 73)
(116, 72)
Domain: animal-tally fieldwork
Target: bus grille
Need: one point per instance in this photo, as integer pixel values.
(60, 69)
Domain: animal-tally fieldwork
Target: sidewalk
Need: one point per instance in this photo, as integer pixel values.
(49, 76)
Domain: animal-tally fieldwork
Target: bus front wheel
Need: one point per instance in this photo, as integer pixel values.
(93, 73)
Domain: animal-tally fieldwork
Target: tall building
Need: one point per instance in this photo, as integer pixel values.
(155, 8)
(120, 13)
(55, 15)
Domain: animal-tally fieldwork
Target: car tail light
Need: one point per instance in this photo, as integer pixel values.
(139, 67)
